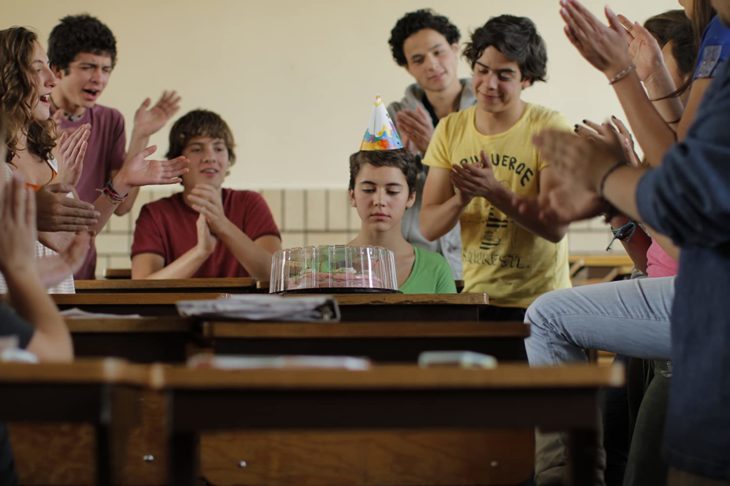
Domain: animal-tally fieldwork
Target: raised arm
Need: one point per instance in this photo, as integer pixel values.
(606, 48)
(147, 122)
(51, 340)
(137, 171)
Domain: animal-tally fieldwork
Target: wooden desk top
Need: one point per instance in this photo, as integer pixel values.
(602, 260)
(162, 298)
(244, 284)
(162, 324)
(398, 329)
(132, 298)
(423, 299)
(83, 371)
(507, 376)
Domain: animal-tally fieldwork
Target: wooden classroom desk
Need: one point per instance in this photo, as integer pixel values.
(228, 285)
(103, 393)
(413, 307)
(401, 397)
(143, 303)
(167, 339)
(395, 341)
(353, 307)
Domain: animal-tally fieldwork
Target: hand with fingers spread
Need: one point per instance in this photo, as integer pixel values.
(58, 212)
(604, 46)
(415, 126)
(147, 121)
(70, 153)
(138, 171)
(206, 199)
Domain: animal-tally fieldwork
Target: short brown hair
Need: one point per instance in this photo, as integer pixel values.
(199, 123)
(400, 159)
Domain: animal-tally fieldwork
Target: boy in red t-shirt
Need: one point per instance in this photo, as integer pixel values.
(206, 230)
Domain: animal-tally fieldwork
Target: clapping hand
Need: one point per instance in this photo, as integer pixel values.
(604, 46)
(70, 154)
(206, 199)
(643, 48)
(474, 180)
(147, 121)
(605, 133)
(415, 126)
(138, 171)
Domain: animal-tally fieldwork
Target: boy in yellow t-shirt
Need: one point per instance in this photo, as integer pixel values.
(482, 157)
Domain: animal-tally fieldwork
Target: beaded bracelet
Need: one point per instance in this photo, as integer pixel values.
(111, 193)
(622, 74)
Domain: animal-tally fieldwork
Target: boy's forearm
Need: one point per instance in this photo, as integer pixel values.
(255, 259)
(504, 200)
(436, 220)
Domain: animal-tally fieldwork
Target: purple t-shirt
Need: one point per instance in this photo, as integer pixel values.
(105, 149)
(105, 153)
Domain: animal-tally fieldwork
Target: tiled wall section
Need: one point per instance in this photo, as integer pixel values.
(304, 217)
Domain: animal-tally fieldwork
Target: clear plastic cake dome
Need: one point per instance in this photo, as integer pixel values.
(333, 268)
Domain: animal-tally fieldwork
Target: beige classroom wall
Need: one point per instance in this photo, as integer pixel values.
(295, 78)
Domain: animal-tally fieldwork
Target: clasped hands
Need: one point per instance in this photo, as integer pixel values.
(475, 180)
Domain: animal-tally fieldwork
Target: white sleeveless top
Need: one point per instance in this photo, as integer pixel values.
(67, 285)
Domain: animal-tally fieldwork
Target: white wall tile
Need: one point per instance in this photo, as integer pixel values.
(316, 210)
(293, 210)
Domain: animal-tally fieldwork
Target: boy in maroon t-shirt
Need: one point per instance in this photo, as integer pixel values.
(82, 52)
(206, 230)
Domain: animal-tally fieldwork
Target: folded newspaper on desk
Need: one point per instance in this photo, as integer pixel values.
(263, 307)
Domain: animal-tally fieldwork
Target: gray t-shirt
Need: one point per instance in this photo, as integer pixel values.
(449, 245)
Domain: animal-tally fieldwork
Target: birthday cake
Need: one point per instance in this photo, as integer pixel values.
(333, 268)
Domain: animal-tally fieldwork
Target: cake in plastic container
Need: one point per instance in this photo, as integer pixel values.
(333, 268)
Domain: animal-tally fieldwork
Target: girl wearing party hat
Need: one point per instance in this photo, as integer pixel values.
(382, 187)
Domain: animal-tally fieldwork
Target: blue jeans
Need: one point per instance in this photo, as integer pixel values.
(630, 317)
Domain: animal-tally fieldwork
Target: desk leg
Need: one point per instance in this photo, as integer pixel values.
(103, 456)
(184, 461)
(583, 453)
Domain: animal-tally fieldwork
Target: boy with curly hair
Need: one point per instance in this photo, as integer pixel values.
(426, 45)
(480, 157)
(82, 52)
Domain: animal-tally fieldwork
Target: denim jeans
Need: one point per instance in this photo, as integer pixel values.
(630, 317)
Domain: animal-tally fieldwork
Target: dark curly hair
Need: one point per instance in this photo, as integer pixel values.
(401, 159)
(199, 123)
(19, 95)
(80, 33)
(517, 39)
(411, 23)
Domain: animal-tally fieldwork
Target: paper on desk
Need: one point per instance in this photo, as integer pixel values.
(252, 362)
(77, 313)
(258, 307)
